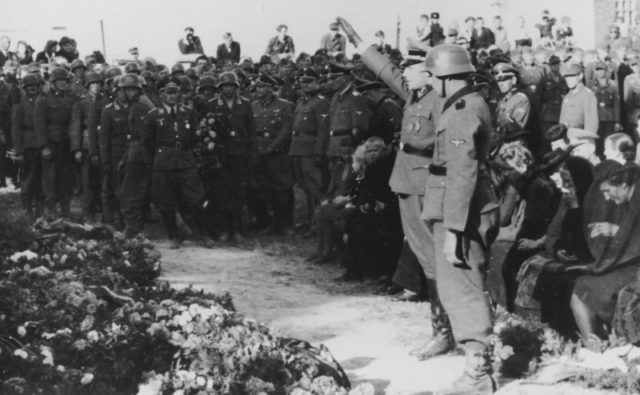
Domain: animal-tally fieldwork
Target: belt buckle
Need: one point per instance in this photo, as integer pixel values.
(232, 133)
(331, 133)
(128, 137)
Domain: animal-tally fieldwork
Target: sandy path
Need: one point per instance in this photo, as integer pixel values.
(368, 334)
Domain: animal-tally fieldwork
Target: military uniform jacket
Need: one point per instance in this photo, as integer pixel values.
(349, 111)
(84, 127)
(273, 122)
(551, 91)
(52, 117)
(530, 78)
(7, 99)
(386, 119)
(632, 97)
(608, 101)
(421, 113)
(239, 136)
(513, 108)
(310, 134)
(171, 138)
(114, 128)
(580, 109)
(24, 134)
(462, 189)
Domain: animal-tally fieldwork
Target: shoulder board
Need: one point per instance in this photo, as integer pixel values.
(186, 106)
(522, 95)
(213, 99)
(152, 110)
(109, 105)
(284, 101)
(244, 99)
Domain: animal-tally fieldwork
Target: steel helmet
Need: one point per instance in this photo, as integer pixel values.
(92, 77)
(112, 73)
(448, 59)
(177, 68)
(207, 81)
(30, 79)
(132, 67)
(129, 81)
(228, 78)
(59, 74)
(76, 64)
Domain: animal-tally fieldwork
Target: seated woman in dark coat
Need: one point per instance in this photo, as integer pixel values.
(614, 241)
(374, 232)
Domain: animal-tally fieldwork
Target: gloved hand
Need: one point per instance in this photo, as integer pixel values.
(78, 156)
(46, 153)
(349, 31)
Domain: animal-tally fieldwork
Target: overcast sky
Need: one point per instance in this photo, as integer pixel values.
(155, 26)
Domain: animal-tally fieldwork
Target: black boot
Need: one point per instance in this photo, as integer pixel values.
(441, 341)
(169, 219)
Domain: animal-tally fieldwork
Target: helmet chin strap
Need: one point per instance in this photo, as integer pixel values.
(443, 92)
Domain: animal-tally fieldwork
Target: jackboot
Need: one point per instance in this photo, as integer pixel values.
(169, 219)
(442, 340)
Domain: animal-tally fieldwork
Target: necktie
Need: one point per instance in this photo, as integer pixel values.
(173, 112)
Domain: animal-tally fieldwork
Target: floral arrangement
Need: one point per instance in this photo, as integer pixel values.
(82, 312)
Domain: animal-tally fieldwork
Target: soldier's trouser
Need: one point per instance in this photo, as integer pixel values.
(58, 175)
(462, 291)
(308, 176)
(110, 205)
(273, 175)
(605, 128)
(417, 233)
(31, 181)
(133, 190)
(4, 170)
(91, 184)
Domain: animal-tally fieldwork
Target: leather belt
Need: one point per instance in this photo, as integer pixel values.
(336, 133)
(426, 152)
(178, 147)
(298, 134)
(437, 170)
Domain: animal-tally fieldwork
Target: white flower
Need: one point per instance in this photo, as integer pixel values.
(87, 323)
(61, 369)
(22, 331)
(179, 392)
(86, 379)
(21, 353)
(201, 381)
(26, 254)
(93, 336)
(48, 356)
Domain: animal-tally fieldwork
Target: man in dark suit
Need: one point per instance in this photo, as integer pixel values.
(5, 54)
(228, 50)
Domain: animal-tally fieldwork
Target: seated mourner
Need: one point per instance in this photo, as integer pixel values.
(374, 232)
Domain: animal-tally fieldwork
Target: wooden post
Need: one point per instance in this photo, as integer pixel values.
(104, 47)
(398, 33)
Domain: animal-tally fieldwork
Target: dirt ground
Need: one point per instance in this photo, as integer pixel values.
(368, 334)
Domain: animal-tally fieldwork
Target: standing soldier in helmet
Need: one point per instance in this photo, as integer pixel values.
(84, 142)
(462, 211)
(238, 136)
(410, 172)
(77, 85)
(52, 118)
(169, 133)
(112, 140)
(27, 149)
(273, 175)
(109, 82)
(134, 165)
